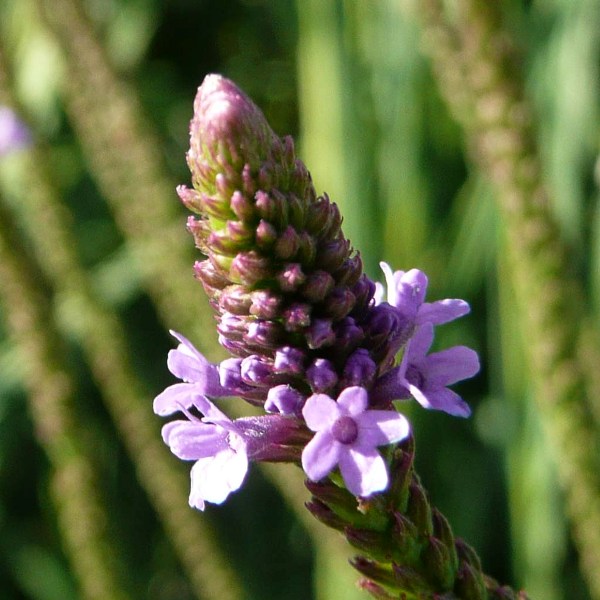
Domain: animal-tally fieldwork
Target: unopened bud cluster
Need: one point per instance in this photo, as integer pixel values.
(285, 282)
(313, 341)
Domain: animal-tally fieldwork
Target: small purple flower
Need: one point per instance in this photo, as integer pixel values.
(347, 434)
(426, 377)
(201, 378)
(218, 447)
(406, 291)
(14, 135)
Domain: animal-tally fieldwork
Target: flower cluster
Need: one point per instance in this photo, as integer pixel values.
(313, 340)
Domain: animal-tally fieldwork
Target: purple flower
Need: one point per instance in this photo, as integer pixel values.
(426, 377)
(201, 378)
(218, 447)
(406, 291)
(13, 132)
(347, 434)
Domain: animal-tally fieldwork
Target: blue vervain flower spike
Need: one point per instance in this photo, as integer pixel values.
(314, 342)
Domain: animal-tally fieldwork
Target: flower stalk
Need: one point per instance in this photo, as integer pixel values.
(314, 342)
(476, 67)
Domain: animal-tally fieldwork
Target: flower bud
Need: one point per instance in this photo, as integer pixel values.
(232, 326)
(265, 335)
(287, 244)
(439, 564)
(241, 206)
(209, 275)
(255, 371)
(291, 277)
(332, 253)
(373, 543)
(374, 590)
(319, 284)
(321, 376)
(265, 304)
(227, 126)
(442, 531)
(190, 198)
(348, 335)
(290, 360)
(467, 554)
(248, 268)
(284, 399)
(339, 303)
(297, 317)
(324, 514)
(350, 271)
(470, 584)
(307, 251)
(266, 235)
(374, 570)
(235, 299)
(360, 369)
(320, 334)
(418, 509)
(230, 375)
(216, 207)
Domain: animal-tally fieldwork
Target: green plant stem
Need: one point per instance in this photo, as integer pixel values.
(52, 396)
(103, 342)
(474, 64)
(410, 552)
(106, 114)
(124, 158)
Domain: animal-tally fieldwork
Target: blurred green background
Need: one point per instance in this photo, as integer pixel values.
(107, 88)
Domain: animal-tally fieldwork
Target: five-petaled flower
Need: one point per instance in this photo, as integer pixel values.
(426, 377)
(201, 378)
(218, 447)
(406, 292)
(347, 434)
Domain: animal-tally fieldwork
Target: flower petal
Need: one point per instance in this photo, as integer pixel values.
(364, 471)
(320, 455)
(389, 386)
(320, 412)
(354, 400)
(450, 365)
(442, 311)
(381, 427)
(442, 399)
(190, 365)
(174, 398)
(214, 478)
(419, 344)
(379, 295)
(194, 440)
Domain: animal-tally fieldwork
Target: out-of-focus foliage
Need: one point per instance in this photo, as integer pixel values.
(350, 81)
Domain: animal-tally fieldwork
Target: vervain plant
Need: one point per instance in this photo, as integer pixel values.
(315, 343)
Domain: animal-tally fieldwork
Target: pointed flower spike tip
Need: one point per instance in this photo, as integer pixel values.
(227, 130)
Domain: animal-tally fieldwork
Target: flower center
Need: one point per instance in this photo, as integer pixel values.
(345, 430)
(414, 376)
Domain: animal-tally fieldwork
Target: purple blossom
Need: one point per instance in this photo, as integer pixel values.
(426, 377)
(406, 291)
(219, 448)
(347, 434)
(201, 378)
(13, 132)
